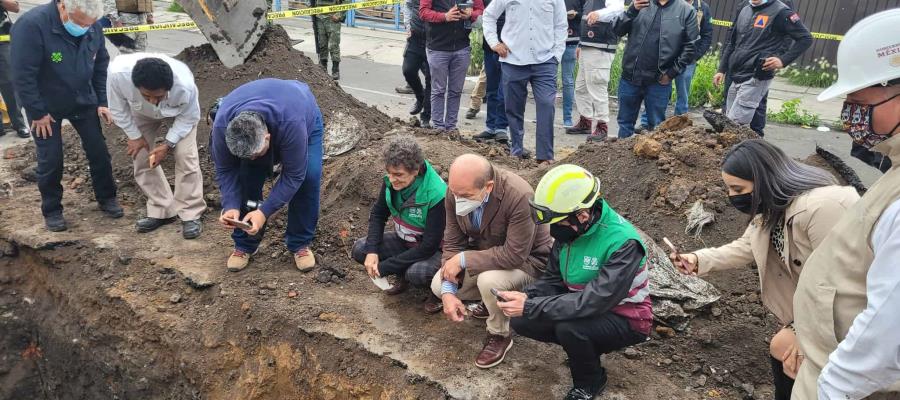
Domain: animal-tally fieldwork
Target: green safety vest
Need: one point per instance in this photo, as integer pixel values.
(409, 219)
(581, 261)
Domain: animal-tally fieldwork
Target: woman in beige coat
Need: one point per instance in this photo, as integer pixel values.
(793, 207)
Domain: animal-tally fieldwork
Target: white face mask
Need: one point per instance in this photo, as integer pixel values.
(465, 206)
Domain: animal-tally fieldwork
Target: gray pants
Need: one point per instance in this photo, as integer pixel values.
(6, 89)
(744, 98)
(448, 75)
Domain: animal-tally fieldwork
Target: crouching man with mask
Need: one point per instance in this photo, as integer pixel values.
(594, 297)
(490, 242)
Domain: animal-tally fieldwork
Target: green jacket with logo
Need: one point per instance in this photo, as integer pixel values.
(603, 270)
(419, 220)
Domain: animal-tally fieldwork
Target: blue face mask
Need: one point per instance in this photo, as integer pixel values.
(75, 29)
(760, 3)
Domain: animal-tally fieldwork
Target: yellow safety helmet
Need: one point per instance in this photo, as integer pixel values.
(563, 190)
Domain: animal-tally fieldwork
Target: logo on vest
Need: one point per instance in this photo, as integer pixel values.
(591, 34)
(415, 212)
(761, 21)
(56, 57)
(591, 263)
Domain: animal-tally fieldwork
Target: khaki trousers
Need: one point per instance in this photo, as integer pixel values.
(479, 91)
(479, 288)
(187, 201)
(592, 83)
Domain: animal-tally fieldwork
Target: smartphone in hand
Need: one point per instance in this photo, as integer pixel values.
(496, 294)
(238, 223)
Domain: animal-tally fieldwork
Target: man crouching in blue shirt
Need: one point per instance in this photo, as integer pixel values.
(258, 125)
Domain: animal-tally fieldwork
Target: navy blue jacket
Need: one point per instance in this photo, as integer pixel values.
(292, 117)
(55, 72)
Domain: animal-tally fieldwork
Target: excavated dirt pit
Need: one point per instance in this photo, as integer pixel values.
(100, 312)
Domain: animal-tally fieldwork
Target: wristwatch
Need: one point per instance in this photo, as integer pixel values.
(170, 144)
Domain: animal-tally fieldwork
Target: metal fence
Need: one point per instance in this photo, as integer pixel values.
(825, 16)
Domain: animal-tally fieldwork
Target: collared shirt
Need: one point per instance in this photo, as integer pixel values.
(855, 369)
(535, 31)
(475, 219)
(126, 102)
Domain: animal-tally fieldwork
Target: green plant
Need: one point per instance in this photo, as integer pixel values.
(615, 71)
(477, 60)
(818, 74)
(791, 113)
(175, 7)
(702, 90)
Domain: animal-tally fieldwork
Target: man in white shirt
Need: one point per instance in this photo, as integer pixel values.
(145, 91)
(845, 306)
(532, 44)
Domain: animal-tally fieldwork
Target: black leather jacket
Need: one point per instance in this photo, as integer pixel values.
(678, 36)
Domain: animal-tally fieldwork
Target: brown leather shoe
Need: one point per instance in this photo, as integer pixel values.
(433, 305)
(480, 311)
(495, 348)
(400, 286)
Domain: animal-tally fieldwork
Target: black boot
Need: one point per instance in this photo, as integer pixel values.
(418, 106)
(335, 70)
(323, 62)
(150, 224)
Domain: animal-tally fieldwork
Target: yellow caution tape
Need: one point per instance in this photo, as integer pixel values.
(817, 35)
(305, 12)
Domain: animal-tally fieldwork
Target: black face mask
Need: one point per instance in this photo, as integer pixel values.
(743, 202)
(567, 234)
(563, 234)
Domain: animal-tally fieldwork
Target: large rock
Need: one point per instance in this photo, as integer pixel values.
(647, 147)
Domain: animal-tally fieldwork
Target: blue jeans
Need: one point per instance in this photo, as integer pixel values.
(543, 86)
(496, 112)
(568, 82)
(655, 98)
(682, 92)
(302, 210)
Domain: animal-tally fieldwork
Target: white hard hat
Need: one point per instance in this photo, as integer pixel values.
(868, 55)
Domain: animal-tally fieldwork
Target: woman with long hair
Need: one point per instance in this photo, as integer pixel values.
(791, 208)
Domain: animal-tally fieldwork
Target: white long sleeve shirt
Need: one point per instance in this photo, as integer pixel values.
(127, 105)
(535, 30)
(868, 359)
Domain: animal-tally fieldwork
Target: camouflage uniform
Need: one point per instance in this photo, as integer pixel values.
(128, 19)
(329, 34)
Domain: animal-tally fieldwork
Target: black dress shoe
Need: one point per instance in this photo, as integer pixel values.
(191, 229)
(111, 208)
(55, 223)
(418, 106)
(149, 224)
(485, 135)
(502, 136)
(23, 133)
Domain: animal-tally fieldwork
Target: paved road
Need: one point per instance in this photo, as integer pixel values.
(371, 70)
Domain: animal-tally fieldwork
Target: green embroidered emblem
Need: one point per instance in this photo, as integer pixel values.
(56, 57)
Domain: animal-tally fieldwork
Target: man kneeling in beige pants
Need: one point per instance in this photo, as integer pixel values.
(145, 91)
(490, 242)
